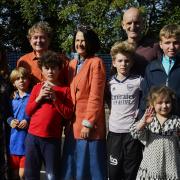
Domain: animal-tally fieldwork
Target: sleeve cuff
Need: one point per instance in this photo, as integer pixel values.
(9, 120)
(87, 124)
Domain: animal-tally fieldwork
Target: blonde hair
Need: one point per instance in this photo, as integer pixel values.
(124, 48)
(171, 30)
(19, 72)
(161, 91)
(41, 26)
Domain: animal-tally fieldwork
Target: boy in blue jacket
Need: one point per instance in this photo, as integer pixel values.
(18, 122)
(166, 70)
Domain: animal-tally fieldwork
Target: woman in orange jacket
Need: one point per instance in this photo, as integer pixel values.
(84, 151)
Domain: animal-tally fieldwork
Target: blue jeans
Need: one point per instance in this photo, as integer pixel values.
(42, 150)
(84, 159)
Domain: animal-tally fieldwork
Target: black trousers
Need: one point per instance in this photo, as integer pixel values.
(42, 150)
(124, 156)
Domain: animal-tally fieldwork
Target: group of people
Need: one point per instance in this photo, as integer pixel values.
(152, 118)
(54, 95)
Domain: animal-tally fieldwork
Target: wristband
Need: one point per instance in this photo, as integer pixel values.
(86, 123)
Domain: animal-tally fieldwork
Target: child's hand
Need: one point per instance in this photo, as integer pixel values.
(45, 92)
(148, 115)
(14, 123)
(146, 119)
(53, 95)
(23, 124)
(85, 132)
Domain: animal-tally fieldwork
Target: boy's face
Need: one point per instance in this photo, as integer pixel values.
(21, 83)
(51, 74)
(170, 46)
(122, 63)
(39, 41)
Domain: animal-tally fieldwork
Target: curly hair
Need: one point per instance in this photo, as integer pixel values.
(161, 91)
(50, 59)
(41, 26)
(123, 48)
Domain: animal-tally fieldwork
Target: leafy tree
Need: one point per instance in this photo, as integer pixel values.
(65, 15)
(13, 29)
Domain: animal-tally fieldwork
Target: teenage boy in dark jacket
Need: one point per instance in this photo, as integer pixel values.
(165, 70)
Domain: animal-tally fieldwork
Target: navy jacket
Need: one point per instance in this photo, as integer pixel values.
(155, 75)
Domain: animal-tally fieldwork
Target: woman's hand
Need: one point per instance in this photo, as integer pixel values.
(85, 132)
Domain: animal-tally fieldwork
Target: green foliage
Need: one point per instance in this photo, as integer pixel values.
(172, 16)
(65, 15)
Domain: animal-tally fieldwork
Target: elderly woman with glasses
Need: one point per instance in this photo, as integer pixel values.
(40, 36)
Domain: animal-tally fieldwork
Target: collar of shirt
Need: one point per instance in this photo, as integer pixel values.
(167, 63)
(80, 62)
(34, 56)
(17, 96)
(121, 81)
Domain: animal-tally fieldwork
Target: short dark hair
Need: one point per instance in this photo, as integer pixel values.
(91, 39)
(50, 59)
